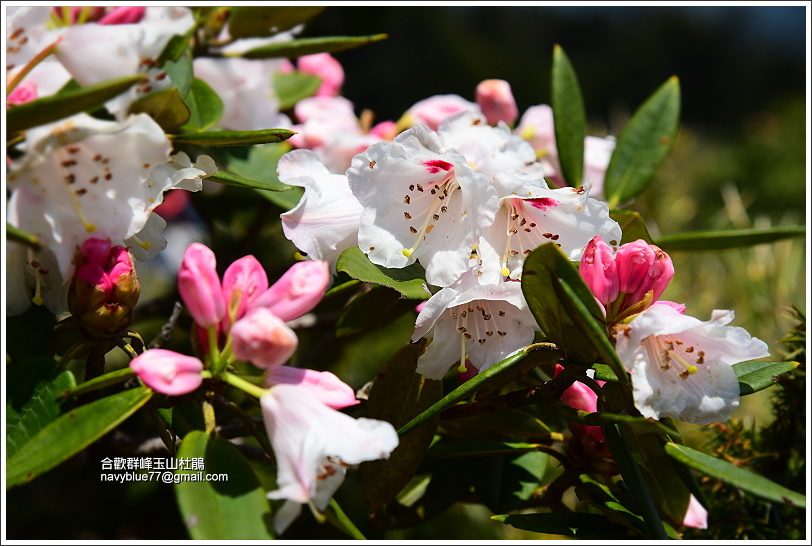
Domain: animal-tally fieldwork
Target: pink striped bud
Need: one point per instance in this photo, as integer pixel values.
(642, 267)
(323, 385)
(263, 338)
(327, 68)
(599, 271)
(297, 291)
(199, 285)
(243, 282)
(495, 99)
(168, 372)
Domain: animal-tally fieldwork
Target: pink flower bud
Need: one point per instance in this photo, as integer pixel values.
(24, 92)
(642, 267)
(123, 15)
(95, 251)
(199, 285)
(243, 282)
(327, 68)
(434, 110)
(297, 291)
(385, 130)
(537, 127)
(263, 338)
(168, 372)
(598, 269)
(496, 101)
(323, 385)
(695, 516)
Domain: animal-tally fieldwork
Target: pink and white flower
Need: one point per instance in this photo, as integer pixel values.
(681, 367)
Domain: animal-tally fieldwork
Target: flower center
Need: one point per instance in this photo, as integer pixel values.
(672, 353)
(440, 194)
(483, 315)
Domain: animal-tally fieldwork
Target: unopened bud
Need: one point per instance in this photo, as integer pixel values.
(199, 285)
(262, 338)
(297, 291)
(168, 372)
(495, 99)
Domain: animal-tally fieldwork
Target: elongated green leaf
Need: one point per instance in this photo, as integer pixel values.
(604, 373)
(253, 21)
(309, 46)
(541, 274)
(477, 449)
(37, 413)
(643, 144)
(293, 86)
(259, 163)
(571, 524)
(398, 394)
(569, 118)
(511, 479)
(724, 240)
(757, 375)
(229, 179)
(205, 107)
(72, 432)
(166, 107)
(632, 225)
(62, 105)
(734, 475)
(178, 64)
(409, 281)
(371, 310)
(19, 236)
(233, 138)
(230, 508)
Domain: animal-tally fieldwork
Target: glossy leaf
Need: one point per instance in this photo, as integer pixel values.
(569, 118)
(643, 144)
(39, 411)
(724, 240)
(735, 475)
(477, 449)
(229, 179)
(166, 107)
(541, 274)
(373, 309)
(178, 64)
(232, 509)
(72, 432)
(632, 225)
(574, 524)
(205, 107)
(309, 46)
(409, 281)
(398, 394)
(253, 21)
(757, 375)
(233, 138)
(64, 104)
(510, 480)
(291, 87)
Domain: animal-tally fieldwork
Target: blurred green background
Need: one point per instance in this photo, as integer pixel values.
(739, 161)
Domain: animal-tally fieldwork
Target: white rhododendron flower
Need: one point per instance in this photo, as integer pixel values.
(421, 202)
(531, 214)
(314, 444)
(468, 320)
(681, 367)
(327, 218)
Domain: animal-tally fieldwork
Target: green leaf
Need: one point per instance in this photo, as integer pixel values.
(477, 449)
(233, 138)
(574, 524)
(724, 240)
(253, 21)
(398, 394)
(178, 64)
(569, 118)
(293, 86)
(205, 107)
(604, 373)
(734, 475)
(259, 163)
(409, 281)
(39, 411)
(372, 309)
(229, 179)
(757, 375)
(72, 432)
(543, 270)
(17, 235)
(643, 144)
(166, 107)
(62, 105)
(510, 480)
(632, 225)
(309, 46)
(232, 509)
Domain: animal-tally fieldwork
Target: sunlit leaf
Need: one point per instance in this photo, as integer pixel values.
(757, 375)
(632, 225)
(409, 281)
(229, 179)
(724, 240)
(291, 87)
(233, 138)
(205, 107)
(569, 118)
(309, 46)
(253, 21)
(166, 107)
(643, 144)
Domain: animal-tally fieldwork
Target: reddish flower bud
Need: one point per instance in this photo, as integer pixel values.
(263, 338)
(495, 98)
(642, 267)
(168, 372)
(243, 282)
(199, 285)
(598, 269)
(297, 291)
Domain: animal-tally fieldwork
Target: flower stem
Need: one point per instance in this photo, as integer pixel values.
(242, 384)
(337, 517)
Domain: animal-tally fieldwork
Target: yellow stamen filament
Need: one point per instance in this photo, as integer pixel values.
(143, 244)
(426, 227)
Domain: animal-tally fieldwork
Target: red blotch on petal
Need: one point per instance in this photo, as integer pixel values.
(544, 203)
(437, 165)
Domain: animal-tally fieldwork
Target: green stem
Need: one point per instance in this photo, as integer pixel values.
(343, 522)
(126, 347)
(242, 384)
(100, 382)
(38, 58)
